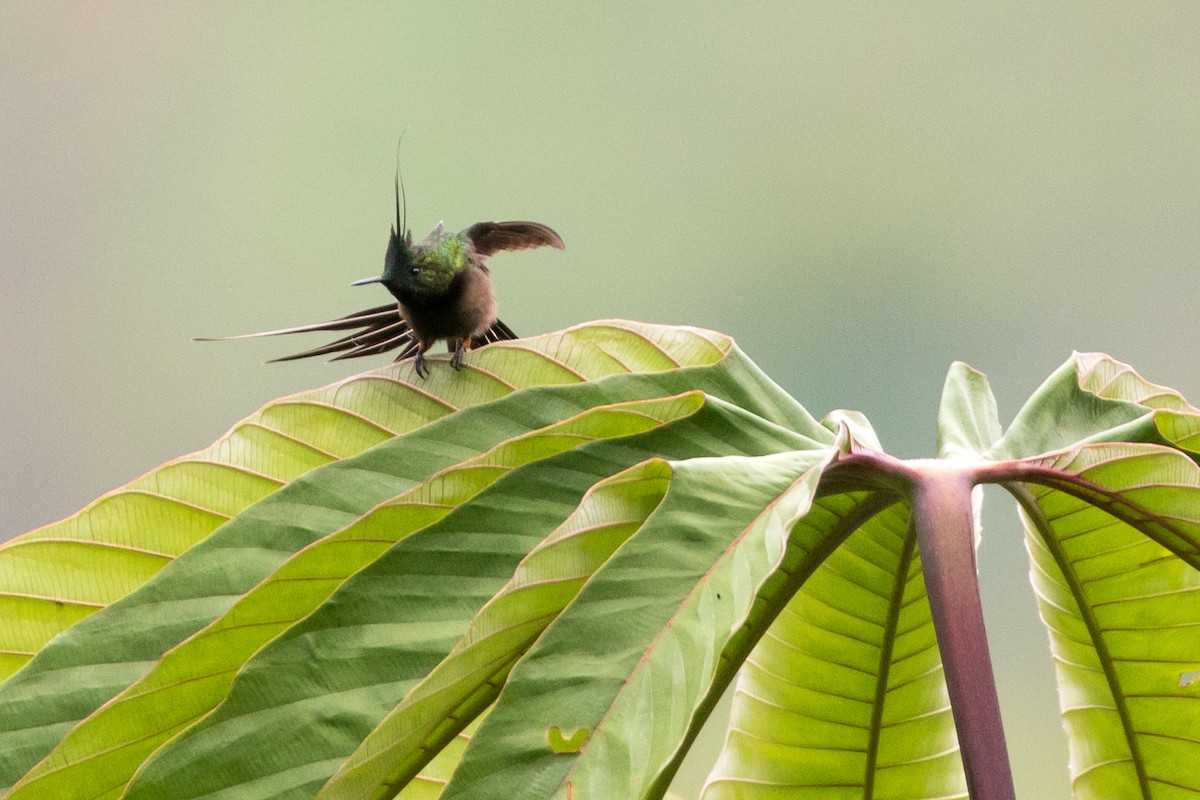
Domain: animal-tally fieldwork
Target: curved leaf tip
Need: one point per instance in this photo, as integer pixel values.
(1105, 376)
(968, 420)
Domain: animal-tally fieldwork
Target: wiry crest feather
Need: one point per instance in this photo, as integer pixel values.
(401, 199)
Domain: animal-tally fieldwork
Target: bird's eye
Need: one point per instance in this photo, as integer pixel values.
(416, 270)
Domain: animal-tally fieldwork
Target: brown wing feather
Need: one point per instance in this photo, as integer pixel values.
(492, 237)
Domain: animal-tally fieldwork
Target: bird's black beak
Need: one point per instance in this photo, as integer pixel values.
(365, 281)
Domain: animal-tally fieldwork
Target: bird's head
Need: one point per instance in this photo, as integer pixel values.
(425, 269)
(398, 262)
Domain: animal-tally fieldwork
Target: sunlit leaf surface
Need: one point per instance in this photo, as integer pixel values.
(1114, 546)
(52, 577)
(535, 578)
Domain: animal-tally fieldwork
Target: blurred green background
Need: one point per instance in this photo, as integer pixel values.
(859, 193)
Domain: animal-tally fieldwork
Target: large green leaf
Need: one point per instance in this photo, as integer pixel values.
(602, 703)
(1113, 532)
(1114, 542)
(844, 696)
(545, 581)
(431, 781)
(105, 653)
(423, 592)
(193, 677)
(52, 577)
(1177, 420)
(1095, 398)
(589, 533)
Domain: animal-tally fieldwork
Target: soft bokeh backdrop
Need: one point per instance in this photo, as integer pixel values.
(859, 193)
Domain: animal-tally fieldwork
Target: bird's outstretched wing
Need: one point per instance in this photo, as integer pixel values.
(492, 237)
(380, 329)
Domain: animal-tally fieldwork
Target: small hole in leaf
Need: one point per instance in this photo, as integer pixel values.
(561, 742)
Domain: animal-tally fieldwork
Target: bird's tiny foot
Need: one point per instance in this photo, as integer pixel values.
(456, 360)
(419, 365)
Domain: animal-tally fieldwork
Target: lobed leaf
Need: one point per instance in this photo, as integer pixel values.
(591, 529)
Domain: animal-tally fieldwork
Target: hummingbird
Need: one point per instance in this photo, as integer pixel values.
(442, 291)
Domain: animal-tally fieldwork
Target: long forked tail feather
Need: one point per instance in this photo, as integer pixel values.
(380, 329)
